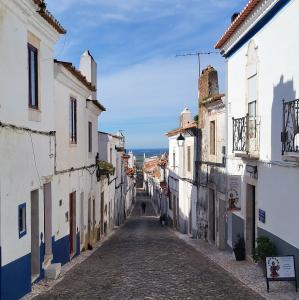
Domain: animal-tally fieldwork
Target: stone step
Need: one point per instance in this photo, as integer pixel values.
(52, 271)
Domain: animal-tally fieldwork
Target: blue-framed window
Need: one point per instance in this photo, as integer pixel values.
(22, 220)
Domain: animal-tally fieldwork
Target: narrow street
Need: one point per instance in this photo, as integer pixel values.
(143, 260)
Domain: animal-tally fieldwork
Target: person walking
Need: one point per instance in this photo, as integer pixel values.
(143, 206)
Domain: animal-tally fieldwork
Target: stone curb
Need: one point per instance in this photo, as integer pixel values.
(246, 272)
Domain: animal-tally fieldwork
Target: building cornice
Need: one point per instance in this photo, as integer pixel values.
(65, 78)
(26, 11)
(235, 33)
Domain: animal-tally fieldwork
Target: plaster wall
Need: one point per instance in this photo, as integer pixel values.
(26, 159)
(278, 78)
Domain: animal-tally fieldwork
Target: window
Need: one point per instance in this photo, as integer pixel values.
(73, 121)
(189, 159)
(252, 119)
(33, 76)
(22, 219)
(212, 138)
(170, 201)
(89, 137)
(110, 156)
(173, 160)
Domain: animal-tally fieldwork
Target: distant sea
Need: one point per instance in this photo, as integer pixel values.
(139, 154)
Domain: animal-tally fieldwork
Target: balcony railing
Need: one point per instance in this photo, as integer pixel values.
(290, 126)
(246, 135)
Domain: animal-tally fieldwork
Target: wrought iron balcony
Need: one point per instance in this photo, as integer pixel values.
(290, 127)
(246, 135)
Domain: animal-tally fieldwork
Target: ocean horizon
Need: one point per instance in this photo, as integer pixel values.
(139, 153)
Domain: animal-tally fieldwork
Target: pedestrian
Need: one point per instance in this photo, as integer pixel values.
(143, 206)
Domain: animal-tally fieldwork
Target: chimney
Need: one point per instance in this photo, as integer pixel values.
(208, 83)
(234, 17)
(207, 87)
(88, 68)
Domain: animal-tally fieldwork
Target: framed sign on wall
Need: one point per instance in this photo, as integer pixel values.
(281, 268)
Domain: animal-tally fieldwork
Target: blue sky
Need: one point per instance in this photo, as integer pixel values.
(141, 83)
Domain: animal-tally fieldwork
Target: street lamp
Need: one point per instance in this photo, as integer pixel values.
(180, 140)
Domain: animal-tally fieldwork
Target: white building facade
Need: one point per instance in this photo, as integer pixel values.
(27, 141)
(211, 205)
(76, 193)
(118, 191)
(262, 114)
(182, 190)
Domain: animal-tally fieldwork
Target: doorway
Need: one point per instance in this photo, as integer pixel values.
(250, 220)
(93, 219)
(35, 253)
(212, 216)
(48, 221)
(220, 221)
(72, 223)
(102, 213)
(89, 222)
(82, 218)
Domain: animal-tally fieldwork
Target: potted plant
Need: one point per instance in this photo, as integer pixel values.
(239, 249)
(264, 248)
(163, 219)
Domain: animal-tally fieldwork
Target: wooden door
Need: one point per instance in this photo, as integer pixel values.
(89, 222)
(94, 219)
(72, 222)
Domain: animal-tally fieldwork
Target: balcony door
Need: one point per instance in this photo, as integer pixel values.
(252, 97)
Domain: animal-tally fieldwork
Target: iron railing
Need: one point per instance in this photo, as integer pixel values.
(246, 134)
(290, 126)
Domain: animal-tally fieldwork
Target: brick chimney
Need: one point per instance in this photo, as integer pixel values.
(88, 68)
(208, 83)
(207, 88)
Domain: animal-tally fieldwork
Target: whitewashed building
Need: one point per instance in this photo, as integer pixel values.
(76, 190)
(261, 50)
(27, 139)
(182, 190)
(118, 190)
(211, 205)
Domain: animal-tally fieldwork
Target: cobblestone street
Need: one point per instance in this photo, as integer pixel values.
(144, 260)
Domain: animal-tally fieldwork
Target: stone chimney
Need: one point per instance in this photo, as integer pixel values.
(208, 83)
(88, 68)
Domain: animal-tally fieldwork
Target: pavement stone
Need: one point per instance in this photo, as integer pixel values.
(144, 260)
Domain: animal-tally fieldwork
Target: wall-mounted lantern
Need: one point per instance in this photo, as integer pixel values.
(180, 140)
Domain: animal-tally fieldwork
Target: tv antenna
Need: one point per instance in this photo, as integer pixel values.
(198, 54)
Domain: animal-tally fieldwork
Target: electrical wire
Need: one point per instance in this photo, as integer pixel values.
(34, 158)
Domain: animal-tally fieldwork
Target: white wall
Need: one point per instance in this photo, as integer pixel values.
(74, 155)
(25, 159)
(278, 78)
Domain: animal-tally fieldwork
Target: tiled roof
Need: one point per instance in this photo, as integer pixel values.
(97, 104)
(77, 74)
(178, 130)
(237, 22)
(50, 18)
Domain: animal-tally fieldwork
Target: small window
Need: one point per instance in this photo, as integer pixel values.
(173, 159)
(189, 159)
(33, 76)
(89, 137)
(110, 156)
(73, 121)
(22, 220)
(212, 138)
